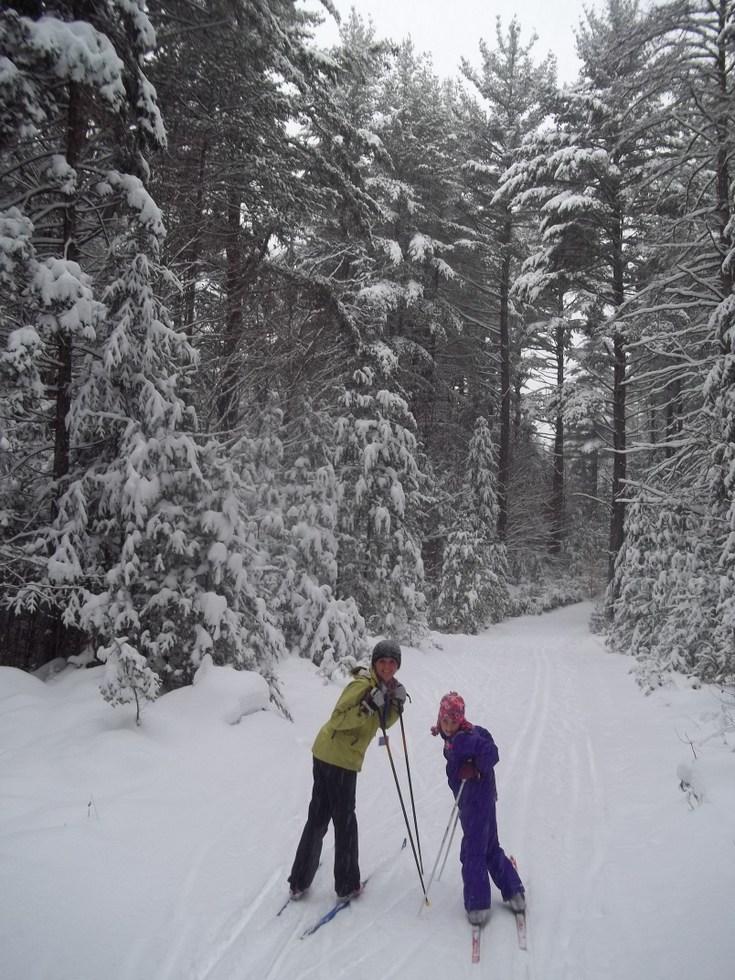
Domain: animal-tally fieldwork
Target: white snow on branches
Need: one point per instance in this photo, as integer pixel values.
(79, 53)
(16, 230)
(139, 199)
(62, 283)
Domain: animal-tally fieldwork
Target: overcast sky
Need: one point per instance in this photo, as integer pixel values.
(451, 29)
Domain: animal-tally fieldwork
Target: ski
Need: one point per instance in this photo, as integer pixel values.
(342, 903)
(520, 918)
(285, 905)
(291, 899)
(475, 944)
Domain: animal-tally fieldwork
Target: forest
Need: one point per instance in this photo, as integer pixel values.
(300, 347)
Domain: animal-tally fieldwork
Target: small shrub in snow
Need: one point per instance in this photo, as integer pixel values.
(127, 676)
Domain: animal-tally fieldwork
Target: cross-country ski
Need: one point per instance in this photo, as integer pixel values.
(338, 906)
(342, 903)
(520, 918)
(476, 936)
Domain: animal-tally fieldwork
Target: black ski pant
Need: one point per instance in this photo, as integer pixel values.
(332, 798)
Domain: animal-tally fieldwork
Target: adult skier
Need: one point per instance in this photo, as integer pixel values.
(372, 700)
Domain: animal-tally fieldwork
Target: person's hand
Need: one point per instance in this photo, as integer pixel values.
(374, 700)
(398, 695)
(468, 770)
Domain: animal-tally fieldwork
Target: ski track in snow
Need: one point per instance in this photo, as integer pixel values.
(587, 803)
(547, 765)
(554, 704)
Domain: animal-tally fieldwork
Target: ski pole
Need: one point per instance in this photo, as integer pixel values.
(410, 790)
(386, 742)
(453, 816)
(449, 846)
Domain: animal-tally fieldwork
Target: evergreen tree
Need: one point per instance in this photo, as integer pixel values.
(320, 626)
(515, 95)
(665, 612)
(592, 175)
(147, 536)
(721, 523)
(380, 560)
(687, 340)
(473, 589)
(78, 116)
(257, 152)
(127, 676)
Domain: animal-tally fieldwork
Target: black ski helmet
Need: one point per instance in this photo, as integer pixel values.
(388, 650)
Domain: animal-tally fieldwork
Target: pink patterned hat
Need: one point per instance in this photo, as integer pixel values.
(451, 708)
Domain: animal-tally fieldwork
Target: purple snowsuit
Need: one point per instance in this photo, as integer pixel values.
(481, 854)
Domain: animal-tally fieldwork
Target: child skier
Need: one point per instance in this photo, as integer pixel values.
(374, 699)
(471, 756)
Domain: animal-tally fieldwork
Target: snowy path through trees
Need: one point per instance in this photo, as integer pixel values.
(178, 870)
(588, 801)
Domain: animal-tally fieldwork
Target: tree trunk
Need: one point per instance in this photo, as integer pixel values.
(64, 345)
(195, 247)
(724, 148)
(674, 410)
(55, 635)
(504, 461)
(227, 399)
(557, 487)
(617, 515)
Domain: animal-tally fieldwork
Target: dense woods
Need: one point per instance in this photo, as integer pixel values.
(299, 347)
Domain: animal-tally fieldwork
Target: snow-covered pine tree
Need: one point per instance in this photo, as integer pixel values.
(149, 534)
(399, 278)
(380, 562)
(469, 589)
(192, 576)
(686, 309)
(592, 178)
(665, 613)
(720, 390)
(516, 94)
(473, 589)
(127, 676)
(637, 570)
(690, 588)
(482, 480)
(322, 627)
(78, 116)
(260, 154)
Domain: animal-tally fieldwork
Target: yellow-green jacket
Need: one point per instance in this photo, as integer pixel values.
(344, 739)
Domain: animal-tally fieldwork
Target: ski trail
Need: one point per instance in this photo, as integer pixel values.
(241, 923)
(562, 775)
(527, 745)
(274, 971)
(182, 873)
(178, 932)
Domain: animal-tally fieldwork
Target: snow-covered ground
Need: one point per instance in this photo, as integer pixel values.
(161, 852)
